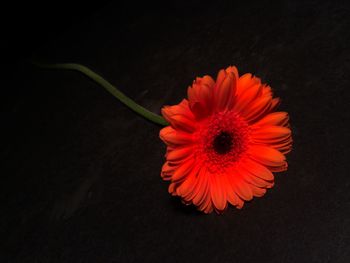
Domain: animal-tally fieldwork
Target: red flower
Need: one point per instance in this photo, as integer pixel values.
(224, 142)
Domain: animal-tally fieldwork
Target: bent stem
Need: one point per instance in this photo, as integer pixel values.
(111, 89)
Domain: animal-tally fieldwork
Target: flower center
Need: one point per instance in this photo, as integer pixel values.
(222, 140)
(223, 143)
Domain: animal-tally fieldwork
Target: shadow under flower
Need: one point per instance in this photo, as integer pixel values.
(179, 206)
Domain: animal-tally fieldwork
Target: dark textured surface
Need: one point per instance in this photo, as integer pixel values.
(81, 171)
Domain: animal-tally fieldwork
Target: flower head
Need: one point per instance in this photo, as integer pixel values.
(224, 141)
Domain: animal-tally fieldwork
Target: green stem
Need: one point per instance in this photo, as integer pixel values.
(111, 89)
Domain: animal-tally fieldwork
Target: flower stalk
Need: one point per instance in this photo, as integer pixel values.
(155, 118)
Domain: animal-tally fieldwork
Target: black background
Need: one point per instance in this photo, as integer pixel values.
(81, 172)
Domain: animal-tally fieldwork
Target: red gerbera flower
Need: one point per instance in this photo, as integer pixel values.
(224, 142)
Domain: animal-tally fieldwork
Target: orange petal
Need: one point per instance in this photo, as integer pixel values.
(257, 109)
(166, 168)
(232, 197)
(183, 170)
(244, 82)
(257, 169)
(274, 104)
(283, 146)
(266, 90)
(167, 171)
(189, 184)
(242, 189)
(182, 123)
(179, 153)
(171, 136)
(200, 99)
(172, 188)
(270, 134)
(221, 76)
(246, 98)
(266, 155)
(224, 93)
(207, 206)
(234, 70)
(186, 185)
(201, 190)
(257, 191)
(276, 118)
(208, 81)
(182, 108)
(280, 168)
(286, 149)
(180, 116)
(218, 193)
(257, 181)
